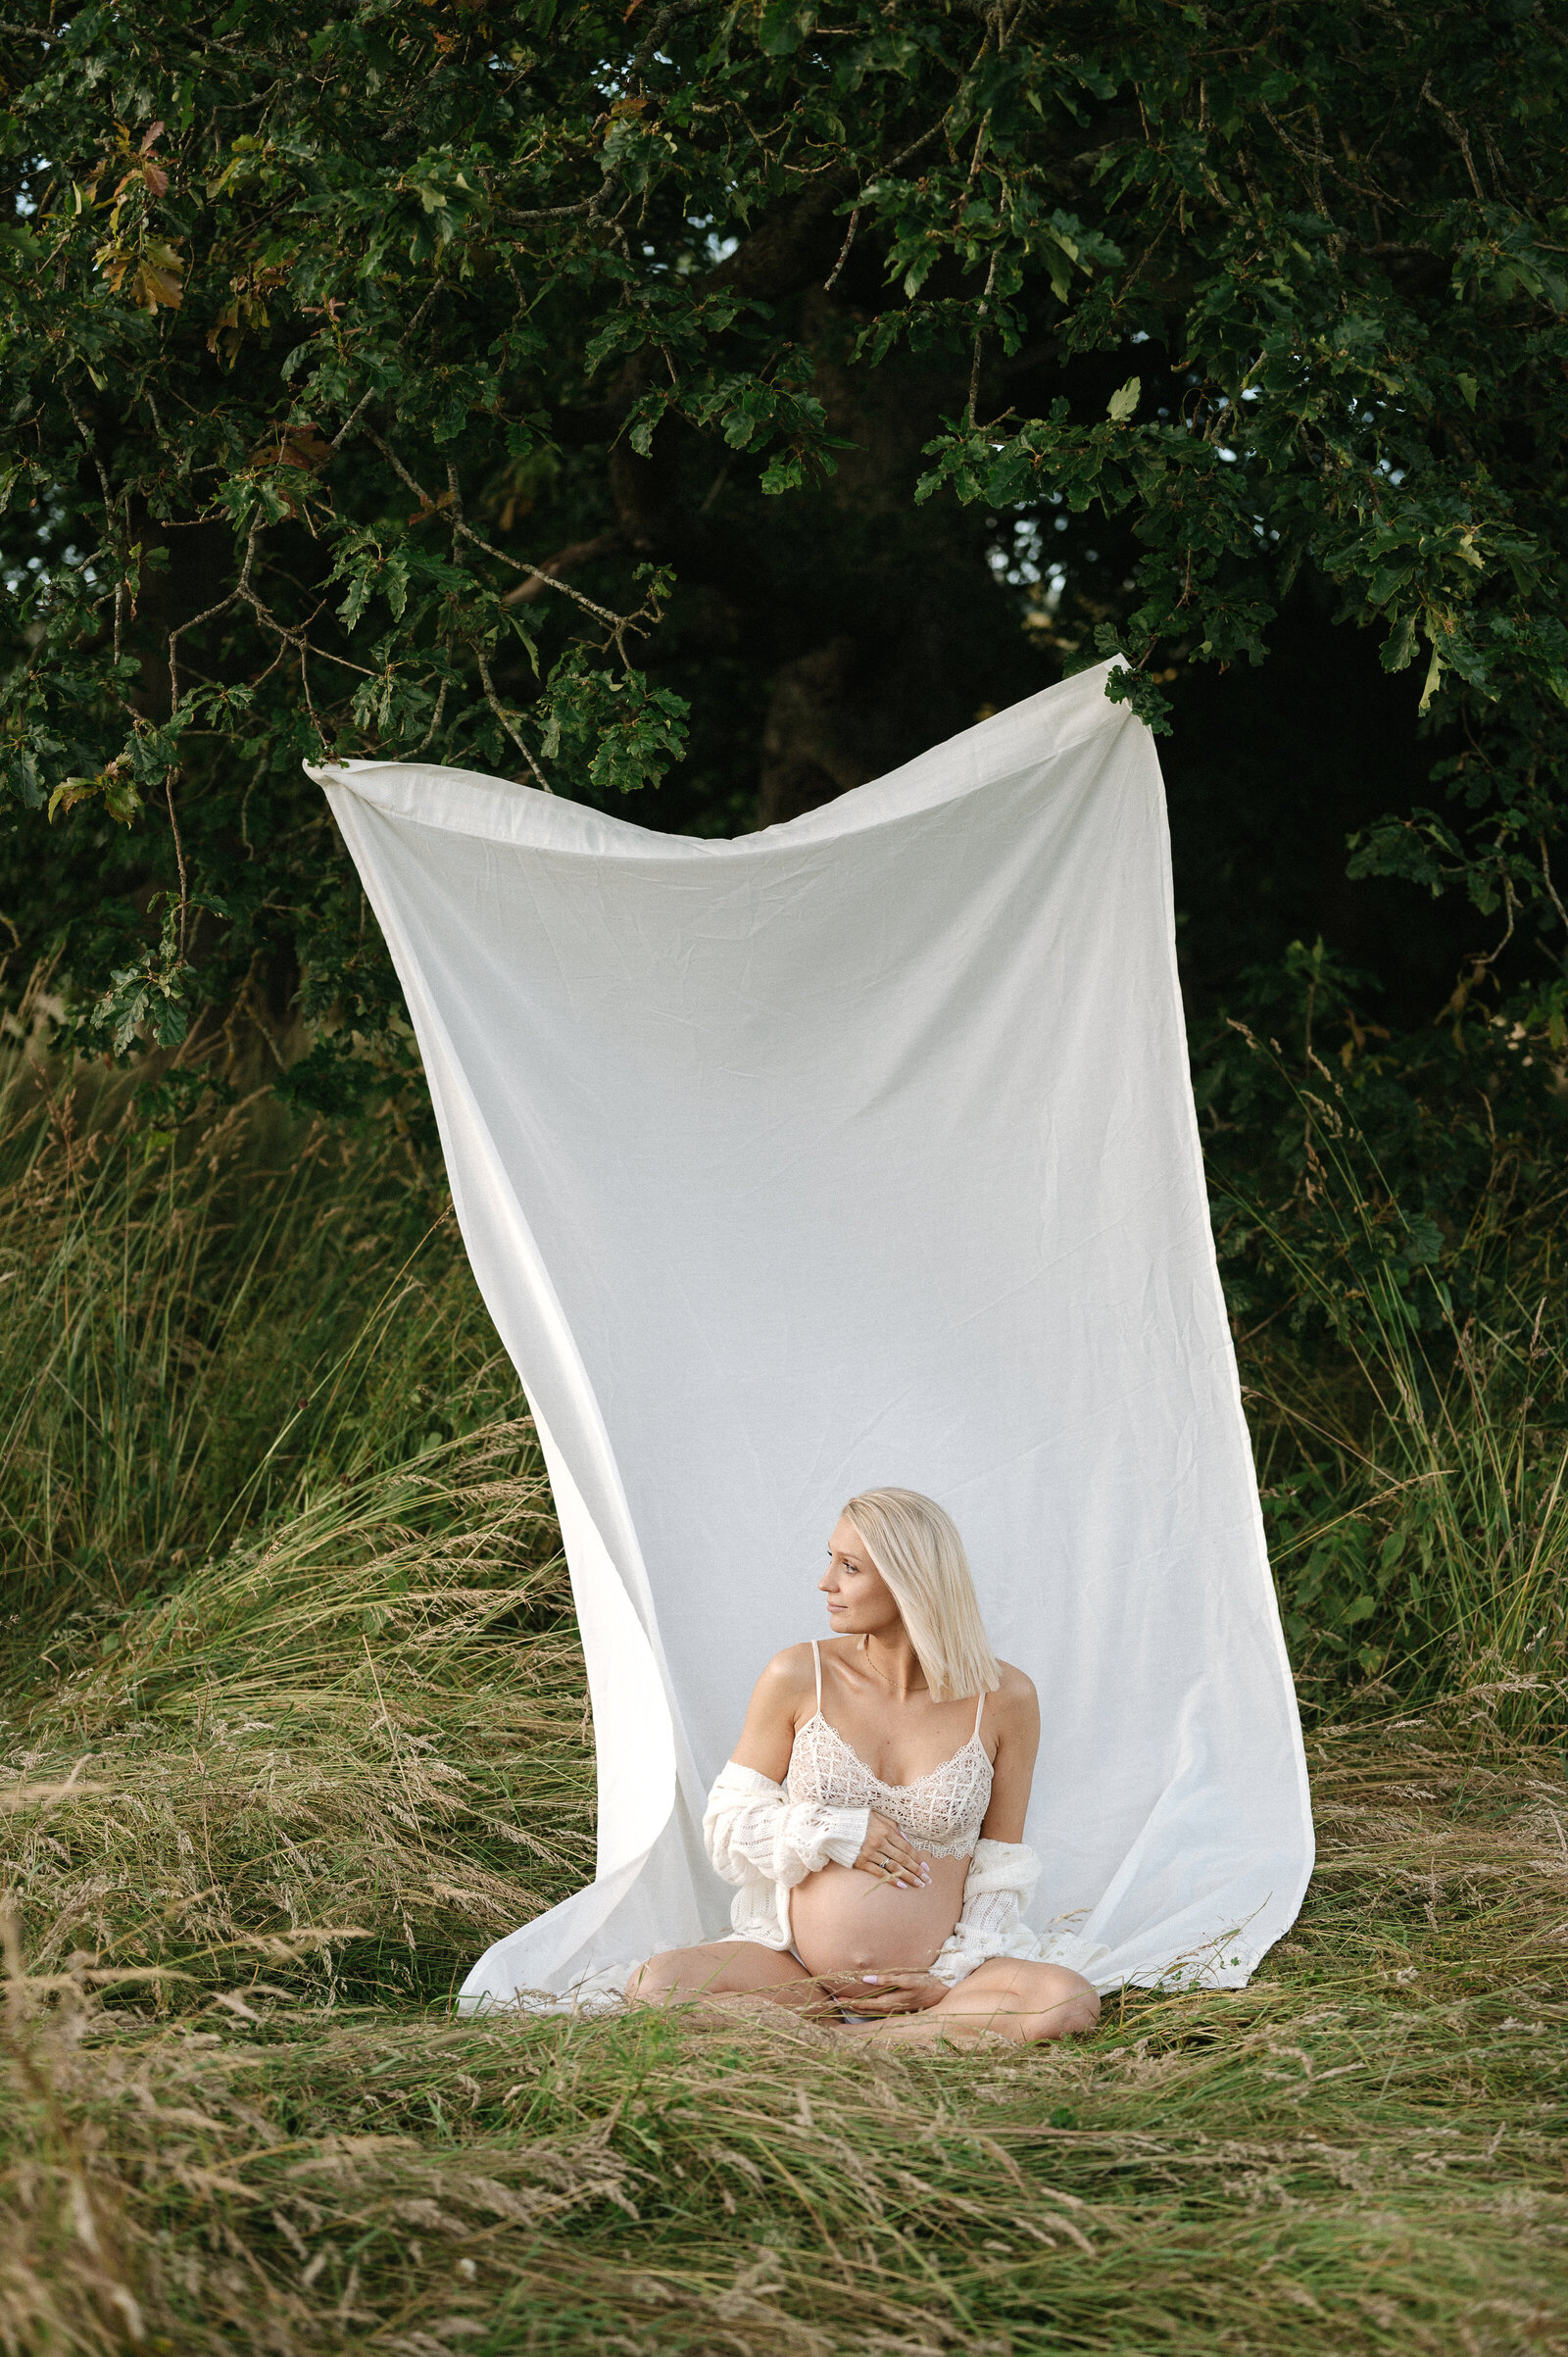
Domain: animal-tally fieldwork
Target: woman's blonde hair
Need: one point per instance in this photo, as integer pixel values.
(917, 1549)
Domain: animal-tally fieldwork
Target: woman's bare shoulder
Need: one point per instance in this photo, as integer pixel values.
(1015, 1698)
(788, 1674)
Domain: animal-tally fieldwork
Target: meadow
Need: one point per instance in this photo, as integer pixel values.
(292, 1722)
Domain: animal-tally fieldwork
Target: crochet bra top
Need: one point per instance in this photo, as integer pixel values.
(940, 1813)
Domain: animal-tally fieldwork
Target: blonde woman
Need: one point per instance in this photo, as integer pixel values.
(873, 1811)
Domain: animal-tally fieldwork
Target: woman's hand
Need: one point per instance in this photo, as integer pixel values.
(890, 1858)
(888, 1993)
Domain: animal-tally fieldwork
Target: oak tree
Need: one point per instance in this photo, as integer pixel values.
(577, 392)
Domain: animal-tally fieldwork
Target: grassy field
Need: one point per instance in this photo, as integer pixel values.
(293, 1722)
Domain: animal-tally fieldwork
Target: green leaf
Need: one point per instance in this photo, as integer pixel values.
(785, 25)
(70, 792)
(1433, 679)
(921, 269)
(354, 602)
(1153, 708)
(1398, 647)
(395, 582)
(1124, 401)
(121, 800)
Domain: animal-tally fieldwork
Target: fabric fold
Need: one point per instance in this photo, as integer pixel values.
(862, 1150)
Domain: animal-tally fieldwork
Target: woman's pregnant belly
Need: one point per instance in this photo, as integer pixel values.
(847, 1923)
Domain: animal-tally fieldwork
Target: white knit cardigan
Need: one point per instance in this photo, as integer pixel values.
(761, 1840)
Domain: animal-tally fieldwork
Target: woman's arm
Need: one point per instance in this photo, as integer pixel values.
(1014, 1713)
(768, 1736)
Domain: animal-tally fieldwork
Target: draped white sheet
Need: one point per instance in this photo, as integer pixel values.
(862, 1150)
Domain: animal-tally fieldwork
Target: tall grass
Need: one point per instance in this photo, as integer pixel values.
(202, 1326)
(1412, 1449)
(366, 1727)
(279, 1544)
(294, 1722)
(1359, 2154)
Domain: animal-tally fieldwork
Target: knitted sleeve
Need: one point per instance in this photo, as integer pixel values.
(753, 1831)
(998, 1888)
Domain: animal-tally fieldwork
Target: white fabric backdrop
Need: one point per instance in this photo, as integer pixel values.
(862, 1150)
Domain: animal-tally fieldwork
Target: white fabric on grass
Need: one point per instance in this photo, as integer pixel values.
(862, 1150)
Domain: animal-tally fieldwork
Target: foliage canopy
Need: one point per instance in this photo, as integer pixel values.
(556, 389)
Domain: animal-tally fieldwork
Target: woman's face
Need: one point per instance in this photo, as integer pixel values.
(860, 1601)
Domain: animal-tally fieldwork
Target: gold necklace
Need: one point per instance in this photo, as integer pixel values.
(880, 1675)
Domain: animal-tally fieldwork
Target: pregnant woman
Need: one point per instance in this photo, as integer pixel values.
(873, 1813)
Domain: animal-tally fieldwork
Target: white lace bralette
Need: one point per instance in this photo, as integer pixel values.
(940, 1813)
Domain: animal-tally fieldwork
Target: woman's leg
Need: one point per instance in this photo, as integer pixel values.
(727, 1968)
(1026, 2002)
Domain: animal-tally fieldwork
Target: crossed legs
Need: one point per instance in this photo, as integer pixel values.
(1024, 2002)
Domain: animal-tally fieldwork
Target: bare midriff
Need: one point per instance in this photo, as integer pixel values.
(845, 1922)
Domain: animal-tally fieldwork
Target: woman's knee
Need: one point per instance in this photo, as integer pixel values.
(1067, 2004)
(1034, 2001)
(666, 1976)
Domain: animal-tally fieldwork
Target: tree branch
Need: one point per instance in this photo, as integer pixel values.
(567, 560)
